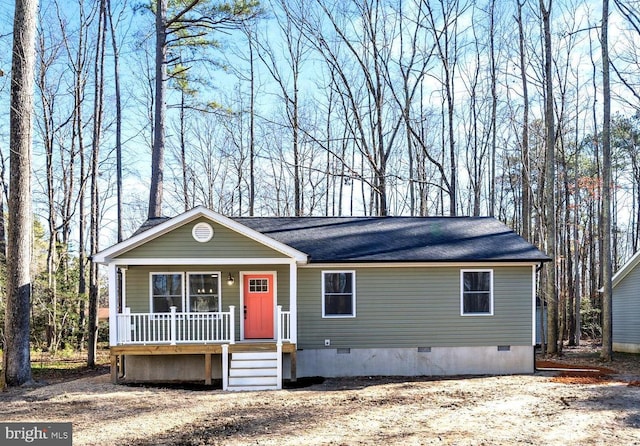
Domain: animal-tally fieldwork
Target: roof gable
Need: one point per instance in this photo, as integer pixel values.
(628, 267)
(151, 232)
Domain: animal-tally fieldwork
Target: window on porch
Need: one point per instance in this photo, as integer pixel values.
(200, 295)
(166, 292)
(204, 292)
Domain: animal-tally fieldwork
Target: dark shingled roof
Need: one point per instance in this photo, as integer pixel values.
(150, 224)
(393, 239)
(397, 239)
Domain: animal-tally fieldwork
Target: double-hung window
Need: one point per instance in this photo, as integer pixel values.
(476, 292)
(338, 294)
(200, 293)
(204, 292)
(166, 292)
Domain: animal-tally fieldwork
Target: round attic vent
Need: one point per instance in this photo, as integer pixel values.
(202, 232)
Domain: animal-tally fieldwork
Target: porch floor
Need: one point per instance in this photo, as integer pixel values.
(118, 352)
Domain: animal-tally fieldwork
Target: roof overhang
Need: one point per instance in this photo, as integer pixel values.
(108, 255)
(626, 269)
(425, 264)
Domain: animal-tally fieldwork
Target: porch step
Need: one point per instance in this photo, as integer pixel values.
(253, 371)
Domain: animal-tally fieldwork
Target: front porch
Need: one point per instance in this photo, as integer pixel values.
(209, 334)
(225, 351)
(201, 285)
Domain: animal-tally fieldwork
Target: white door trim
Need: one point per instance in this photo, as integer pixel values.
(274, 274)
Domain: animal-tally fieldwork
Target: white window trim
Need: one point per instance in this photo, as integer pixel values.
(187, 282)
(353, 295)
(462, 271)
(158, 273)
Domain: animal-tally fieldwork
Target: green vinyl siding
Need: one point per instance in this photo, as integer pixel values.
(626, 309)
(179, 243)
(138, 294)
(416, 307)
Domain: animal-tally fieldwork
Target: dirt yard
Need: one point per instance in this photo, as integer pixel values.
(547, 408)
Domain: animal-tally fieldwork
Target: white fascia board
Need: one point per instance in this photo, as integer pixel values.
(257, 236)
(626, 269)
(417, 264)
(108, 254)
(203, 261)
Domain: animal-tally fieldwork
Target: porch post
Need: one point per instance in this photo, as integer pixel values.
(293, 301)
(232, 324)
(225, 366)
(113, 304)
(279, 365)
(123, 286)
(173, 332)
(279, 325)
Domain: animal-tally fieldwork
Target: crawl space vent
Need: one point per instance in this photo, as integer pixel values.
(202, 232)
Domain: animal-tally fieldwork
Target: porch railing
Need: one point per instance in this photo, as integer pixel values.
(176, 328)
(181, 328)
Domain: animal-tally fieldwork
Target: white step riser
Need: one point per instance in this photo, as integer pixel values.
(253, 381)
(251, 388)
(254, 364)
(253, 372)
(254, 355)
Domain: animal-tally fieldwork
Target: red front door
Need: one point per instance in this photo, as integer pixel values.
(258, 306)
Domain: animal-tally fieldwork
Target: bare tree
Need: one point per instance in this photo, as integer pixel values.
(526, 184)
(549, 183)
(186, 21)
(446, 35)
(94, 227)
(17, 365)
(355, 44)
(285, 71)
(606, 354)
(118, 98)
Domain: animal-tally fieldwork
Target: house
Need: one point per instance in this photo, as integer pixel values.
(625, 307)
(256, 300)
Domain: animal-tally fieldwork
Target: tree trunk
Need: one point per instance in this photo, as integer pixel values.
(549, 187)
(183, 152)
(494, 109)
(605, 256)
(3, 233)
(17, 358)
(252, 141)
(94, 220)
(526, 188)
(157, 153)
(116, 80)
